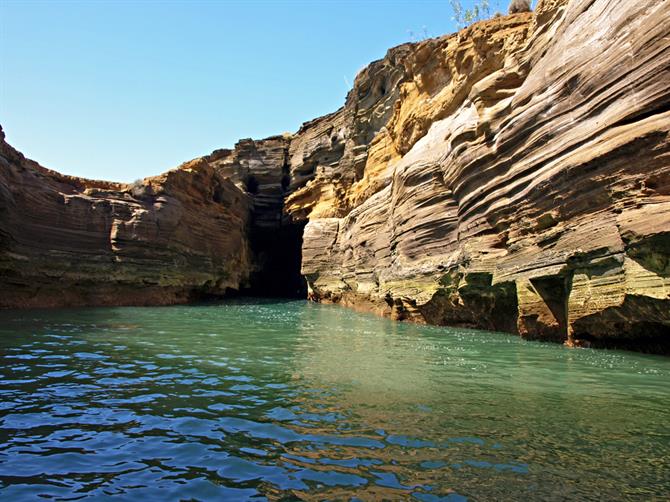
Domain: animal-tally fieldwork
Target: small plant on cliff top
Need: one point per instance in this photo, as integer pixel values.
(137, 188)
(519, 6)
(481, 9)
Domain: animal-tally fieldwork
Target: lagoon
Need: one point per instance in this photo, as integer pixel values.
(291, 400)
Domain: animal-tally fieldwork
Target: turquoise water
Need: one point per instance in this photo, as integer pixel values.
(292, 400)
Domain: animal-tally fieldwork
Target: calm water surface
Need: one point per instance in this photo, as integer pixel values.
(292, 400)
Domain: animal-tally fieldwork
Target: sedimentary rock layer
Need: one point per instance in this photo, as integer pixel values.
(520, 183)
(70, 241)
(260, 168)
(513, 176)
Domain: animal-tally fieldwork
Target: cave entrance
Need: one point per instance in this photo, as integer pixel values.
(278, 256)
(555, 292)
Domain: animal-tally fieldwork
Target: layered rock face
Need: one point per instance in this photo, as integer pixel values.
(260, 168)
(514, 176)
(68, 241)
(517, 179)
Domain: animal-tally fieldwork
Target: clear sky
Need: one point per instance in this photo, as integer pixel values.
(126, 89)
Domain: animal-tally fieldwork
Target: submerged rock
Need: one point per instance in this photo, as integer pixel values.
(514, 176)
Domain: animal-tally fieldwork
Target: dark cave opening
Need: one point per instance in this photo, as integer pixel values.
(251, 184)
(645, 336)
(278, 256)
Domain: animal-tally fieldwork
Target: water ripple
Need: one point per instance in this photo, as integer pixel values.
(290, 400)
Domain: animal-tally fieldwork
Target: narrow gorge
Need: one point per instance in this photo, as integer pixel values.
(513, 176)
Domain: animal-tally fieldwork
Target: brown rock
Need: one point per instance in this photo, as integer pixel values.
(71, 241)
(529, 186)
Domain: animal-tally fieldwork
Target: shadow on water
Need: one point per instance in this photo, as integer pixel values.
(256, 399)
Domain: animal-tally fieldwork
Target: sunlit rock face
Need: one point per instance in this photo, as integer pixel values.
(521, 181)
(69, 241)
(514, 176)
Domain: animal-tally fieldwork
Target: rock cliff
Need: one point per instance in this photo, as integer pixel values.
(69, 241)
(513, 176)
(517, 179)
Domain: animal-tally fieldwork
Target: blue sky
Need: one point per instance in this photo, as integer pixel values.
(122, 90)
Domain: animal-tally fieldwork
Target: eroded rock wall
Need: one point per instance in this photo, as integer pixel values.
(69, 241)
(261, 169)
(524, 183)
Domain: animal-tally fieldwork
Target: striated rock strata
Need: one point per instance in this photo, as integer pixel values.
(514, 176)
(520, 182)
(71, 241)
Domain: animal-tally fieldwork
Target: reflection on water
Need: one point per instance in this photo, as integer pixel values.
(291, 400)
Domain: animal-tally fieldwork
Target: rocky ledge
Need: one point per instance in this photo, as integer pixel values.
(514, 176)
